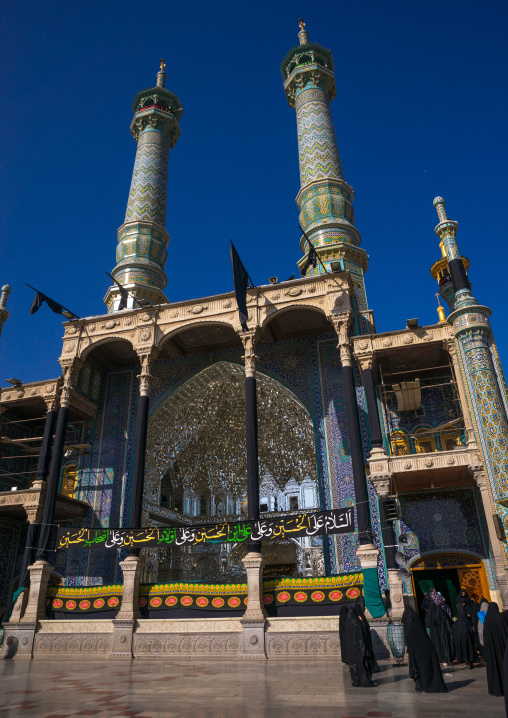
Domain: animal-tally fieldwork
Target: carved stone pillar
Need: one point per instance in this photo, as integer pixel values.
(253, 620)
(396, 595)
(450, 347)
(40, 572)
(125, 621)
(495, 545)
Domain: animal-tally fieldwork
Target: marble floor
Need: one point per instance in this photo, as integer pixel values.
(214, 689)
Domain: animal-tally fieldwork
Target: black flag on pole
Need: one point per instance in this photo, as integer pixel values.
(124, 294)
(40, 298)
(241, 281)
(312, 257)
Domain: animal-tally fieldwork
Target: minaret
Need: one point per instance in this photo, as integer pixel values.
(479, 363)
(325, 200)
(450, 260)
(142, 239)
(4, 314)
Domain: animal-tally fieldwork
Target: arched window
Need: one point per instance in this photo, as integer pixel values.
(424, 441)
(399, 441)
(70, 480)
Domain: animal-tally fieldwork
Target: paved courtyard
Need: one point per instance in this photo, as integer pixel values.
(233, 689)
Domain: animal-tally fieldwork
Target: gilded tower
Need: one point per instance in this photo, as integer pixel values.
(142, 239)
(325, 199)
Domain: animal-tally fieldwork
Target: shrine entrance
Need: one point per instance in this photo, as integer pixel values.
(448, 574)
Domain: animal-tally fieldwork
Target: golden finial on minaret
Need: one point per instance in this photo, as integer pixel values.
(161, 75)
(440, 311)
(303, 35)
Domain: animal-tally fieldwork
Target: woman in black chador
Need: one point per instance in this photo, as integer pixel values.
(495, 637)
(441, 633)
(373, 666)
(471, 609)
(342, 629)
(423, 664)
(464, 637)
(359, 663)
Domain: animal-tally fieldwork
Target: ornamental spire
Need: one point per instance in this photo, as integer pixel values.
(161, 75)
(451, 269)
(303, 35)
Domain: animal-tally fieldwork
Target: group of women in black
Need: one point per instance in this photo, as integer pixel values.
(479, 631)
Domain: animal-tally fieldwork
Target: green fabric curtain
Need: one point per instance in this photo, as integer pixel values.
(373, 601)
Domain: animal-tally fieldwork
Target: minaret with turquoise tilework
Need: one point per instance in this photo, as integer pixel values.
(479, 364)
(325, 199)
(142, 239)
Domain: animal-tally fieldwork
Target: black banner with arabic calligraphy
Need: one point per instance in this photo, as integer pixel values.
(316, 523)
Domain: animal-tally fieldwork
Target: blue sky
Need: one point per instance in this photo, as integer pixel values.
(421, 110)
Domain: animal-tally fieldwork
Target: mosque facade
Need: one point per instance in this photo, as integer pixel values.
(148, 426)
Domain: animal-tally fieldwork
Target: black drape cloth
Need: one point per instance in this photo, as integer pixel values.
(441, 633)
(495, 637)
(342, 633)
(355, 446)
(52, 489)
(464, 637)
(371, 659)
(376, 436)
(458, 275)
(251, 415)
(357, 651)
(424, 666)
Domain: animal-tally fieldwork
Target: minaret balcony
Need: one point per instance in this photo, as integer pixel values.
(433, 470)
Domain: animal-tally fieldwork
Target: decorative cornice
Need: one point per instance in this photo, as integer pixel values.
(147, 329)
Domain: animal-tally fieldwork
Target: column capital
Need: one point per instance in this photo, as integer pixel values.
(380, 475)
(365, 360)
(341, 323)
(249, 341)
(70, 372)
(144, 376)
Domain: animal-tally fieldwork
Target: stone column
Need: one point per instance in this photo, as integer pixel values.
(133, 566)
(138, 477)
(253, 620)
(390, 547)
(495, 545)
(251, 424)
(35, 512)
(125, 621)
(341, 323)
(56, 464)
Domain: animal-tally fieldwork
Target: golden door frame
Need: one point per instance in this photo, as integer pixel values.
(471, 570)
